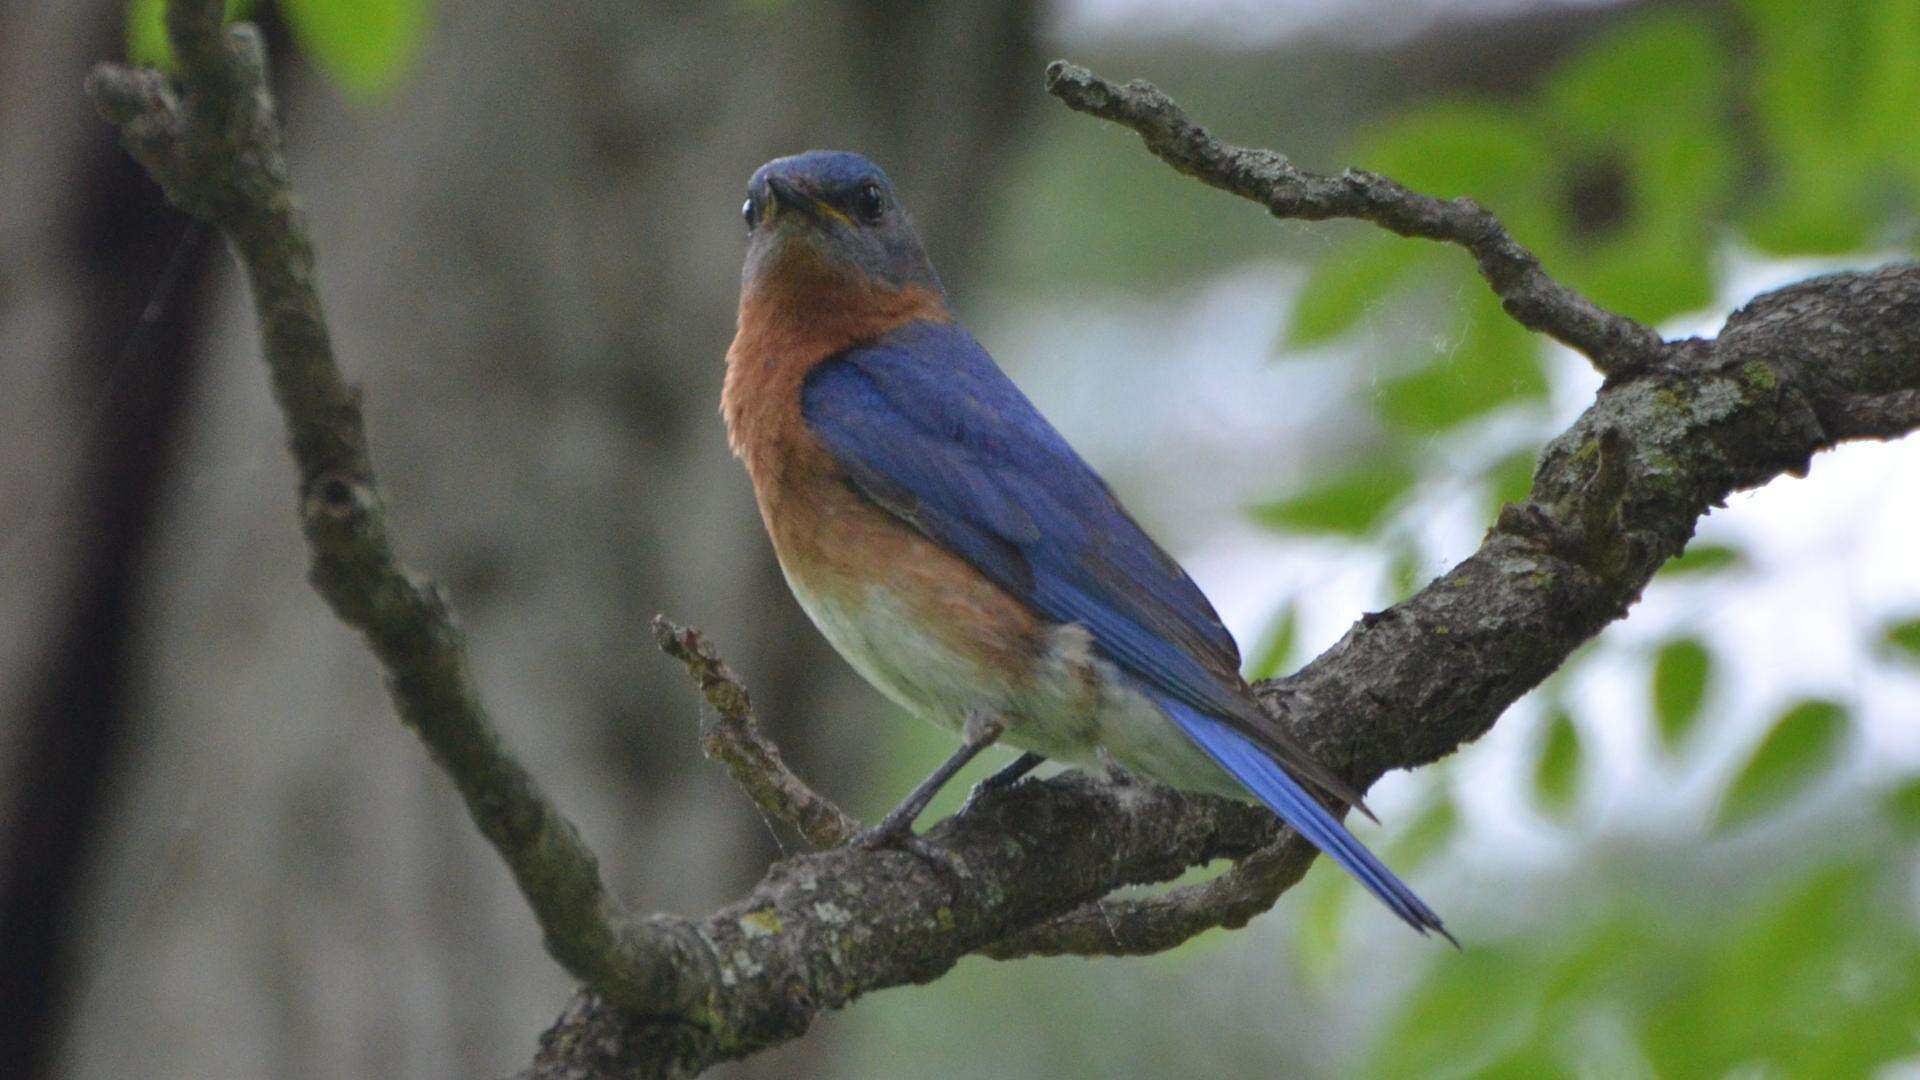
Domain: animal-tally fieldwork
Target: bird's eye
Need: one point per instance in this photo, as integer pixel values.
(751, 213)
(870, 202)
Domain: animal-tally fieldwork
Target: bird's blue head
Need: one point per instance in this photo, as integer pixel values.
(835, 212)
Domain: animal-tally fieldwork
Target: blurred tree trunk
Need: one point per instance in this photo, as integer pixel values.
(526, 255)
(88, 422)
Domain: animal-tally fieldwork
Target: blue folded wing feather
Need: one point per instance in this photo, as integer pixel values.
(929, 427)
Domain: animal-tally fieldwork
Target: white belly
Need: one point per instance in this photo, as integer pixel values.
(1072, 706)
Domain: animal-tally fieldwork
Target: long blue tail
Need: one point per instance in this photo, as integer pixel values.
(1284, 796)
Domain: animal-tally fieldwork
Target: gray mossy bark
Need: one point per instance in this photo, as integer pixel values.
(1677, 428)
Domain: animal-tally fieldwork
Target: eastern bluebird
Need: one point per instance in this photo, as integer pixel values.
(954, 548)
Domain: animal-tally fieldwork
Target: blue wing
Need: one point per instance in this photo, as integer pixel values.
(926, 425)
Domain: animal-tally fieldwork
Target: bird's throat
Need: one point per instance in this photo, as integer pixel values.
(793, 318)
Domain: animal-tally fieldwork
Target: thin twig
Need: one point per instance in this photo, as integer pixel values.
(1144, 925)
(1617, 345)
(752, 759)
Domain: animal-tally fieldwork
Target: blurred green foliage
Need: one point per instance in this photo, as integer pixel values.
(1681, 670)
(1270, 658)
(1902, 641)
(1556, 773)
(1789, 127)
(1349, 503)
(1776, 125)
(1819, 977)
(364, 46)
(1704, 559)
(1903, 808)
(1797, 749)
(1631, 168)
(147, 36)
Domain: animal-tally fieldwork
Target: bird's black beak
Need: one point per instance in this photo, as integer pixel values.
(785, 195)
(782, 195)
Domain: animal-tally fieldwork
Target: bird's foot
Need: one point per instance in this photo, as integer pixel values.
(897, 834)
(1014, 772)
(894, 831)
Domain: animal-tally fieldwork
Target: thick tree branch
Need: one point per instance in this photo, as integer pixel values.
(1793, 373)
(751, 758)
(1616, 344)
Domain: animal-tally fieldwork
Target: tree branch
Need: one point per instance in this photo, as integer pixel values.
(1028, 868)
(216, 150)
(751, 758)
(1616, 344)
(1143, 926)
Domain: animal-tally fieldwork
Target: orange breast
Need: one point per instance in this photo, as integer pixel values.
(832, 541)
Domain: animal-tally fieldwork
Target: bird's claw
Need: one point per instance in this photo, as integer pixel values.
(881, 836)
(1008, 776)
(900, 837)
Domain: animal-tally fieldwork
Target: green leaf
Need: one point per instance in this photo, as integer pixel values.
(1276, 645)
(364, 45)
(1344, 286)
(1496, 362)
(1701, 559)
(1901, 640)
(1902, 806)
(1832, 102)
(1802, 743)
(1660, 263)
(1556, 774)
(1457, 148)
(1682, 670)
(1811, 208)
(1602, 93)
(1350, 504)
(147, 33)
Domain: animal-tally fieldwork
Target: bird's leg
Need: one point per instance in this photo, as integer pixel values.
(978, 734)
(1117, 774)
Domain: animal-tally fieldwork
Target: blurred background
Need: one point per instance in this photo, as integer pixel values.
(1691, 853)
